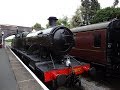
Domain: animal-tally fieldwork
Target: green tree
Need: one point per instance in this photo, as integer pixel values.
(106, 14)
(76, 19)
(47, 25)
(85, 10)
(115, 3)
(85, 13)
(89, 9)
(62, 21)
(37, 26)
(95, 6)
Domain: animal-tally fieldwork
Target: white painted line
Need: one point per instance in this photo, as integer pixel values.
(36, 78)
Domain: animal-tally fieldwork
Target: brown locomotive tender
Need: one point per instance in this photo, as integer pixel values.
(99, 44)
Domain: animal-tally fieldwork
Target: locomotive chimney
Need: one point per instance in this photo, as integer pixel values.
(52, 21)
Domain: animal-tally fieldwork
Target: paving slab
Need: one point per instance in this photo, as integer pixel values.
(7, 78)
(23, 78)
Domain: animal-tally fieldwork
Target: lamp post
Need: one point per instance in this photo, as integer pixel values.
(16, 29)
(2, 38)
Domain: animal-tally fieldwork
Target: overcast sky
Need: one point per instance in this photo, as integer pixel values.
(28, 12)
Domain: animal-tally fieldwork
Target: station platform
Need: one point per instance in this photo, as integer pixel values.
(13, 75)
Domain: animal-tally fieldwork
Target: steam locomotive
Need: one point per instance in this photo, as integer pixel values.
(99, 44)
(46, 53)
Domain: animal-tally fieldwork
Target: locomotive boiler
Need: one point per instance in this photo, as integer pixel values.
(99, 44)
(46, 53)
(58, 40)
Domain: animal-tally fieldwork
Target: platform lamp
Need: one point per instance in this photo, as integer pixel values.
(2, 38)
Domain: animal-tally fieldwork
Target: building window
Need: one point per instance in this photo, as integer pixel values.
(97, 40)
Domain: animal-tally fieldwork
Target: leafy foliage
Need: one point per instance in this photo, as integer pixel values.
(62, 21)
(47, 25)
(88, 10)
(76, 19)
(37, 26)
(106, 14)
(85, 13)
(95, 6)
(115, 3)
